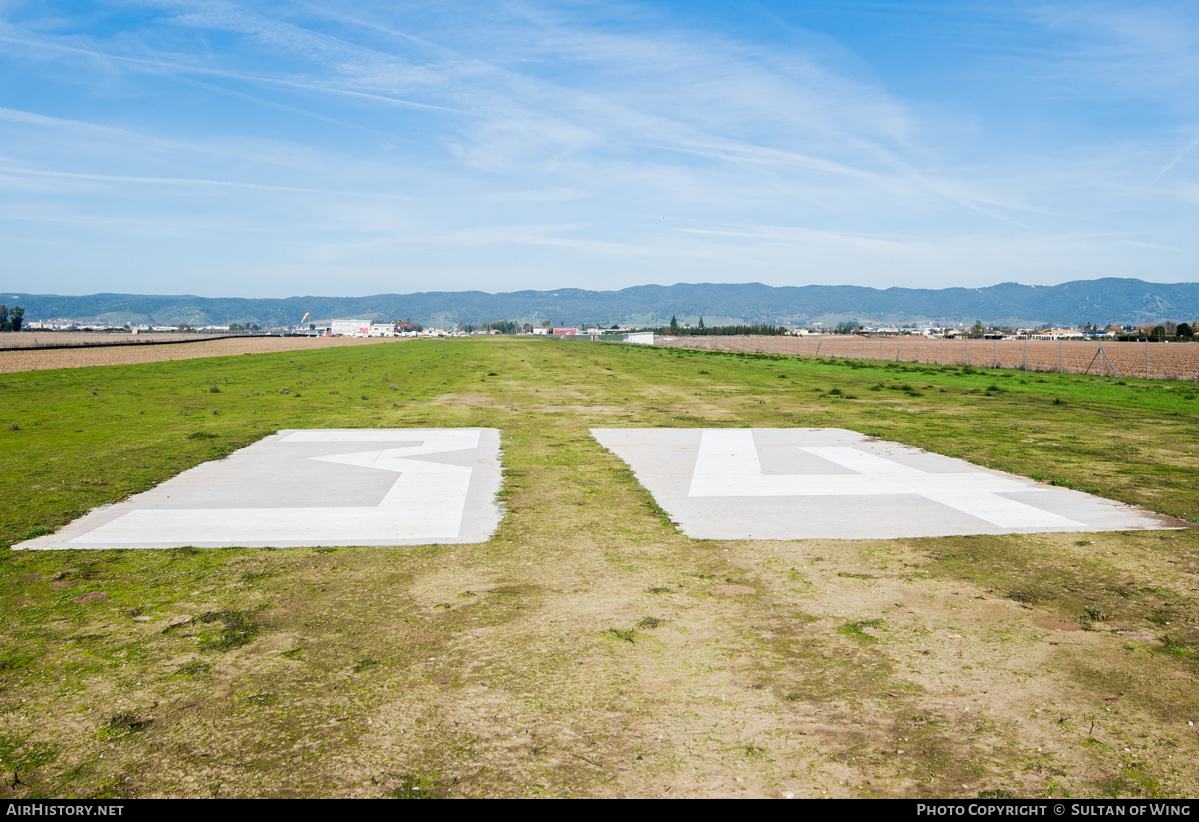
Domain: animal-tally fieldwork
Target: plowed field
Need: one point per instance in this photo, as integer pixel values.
(1161, 361)
(47, 358)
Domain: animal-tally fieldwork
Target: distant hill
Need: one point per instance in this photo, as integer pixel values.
(1100, 301)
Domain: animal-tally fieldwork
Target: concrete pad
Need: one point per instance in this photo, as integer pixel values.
(806, 483)
(398, 486)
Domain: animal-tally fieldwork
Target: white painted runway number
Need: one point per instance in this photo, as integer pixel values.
(728, 466)
(831, 483)
(426, 502)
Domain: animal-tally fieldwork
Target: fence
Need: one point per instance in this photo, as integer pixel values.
(21, 340)
(1159, 361)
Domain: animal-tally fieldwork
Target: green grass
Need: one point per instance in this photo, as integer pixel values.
(475, 663)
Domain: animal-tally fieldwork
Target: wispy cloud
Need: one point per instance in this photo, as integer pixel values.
(616, 143)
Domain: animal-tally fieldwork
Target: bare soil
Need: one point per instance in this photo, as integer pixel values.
(44, 359)
(1160, 361)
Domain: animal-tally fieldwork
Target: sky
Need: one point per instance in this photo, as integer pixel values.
(272, 148)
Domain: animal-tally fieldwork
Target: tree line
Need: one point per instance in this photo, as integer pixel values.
(701, 330)
(11, 319)
(1167, 330)
(502, 326)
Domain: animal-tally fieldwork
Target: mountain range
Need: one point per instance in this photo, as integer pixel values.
(1102, 301)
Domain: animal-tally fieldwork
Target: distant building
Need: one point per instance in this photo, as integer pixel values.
(640, 338)
(351, 328)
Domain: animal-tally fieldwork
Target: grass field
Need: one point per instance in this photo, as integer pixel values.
(589, 649)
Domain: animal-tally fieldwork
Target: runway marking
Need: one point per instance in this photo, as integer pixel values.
(728, 466)
(426, 501)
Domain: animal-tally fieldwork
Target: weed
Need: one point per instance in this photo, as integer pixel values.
(628, 635)
(202, 435)
(20, 755)
(854, 629)
(236, 630)
(127, 722)
(262, 699)
(412, 787)
(15, 662)
(1175, 647)
(650, 622)
(193, 668)
(363, 664)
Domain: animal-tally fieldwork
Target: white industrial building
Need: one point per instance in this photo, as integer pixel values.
(351, 328)
(361, 328)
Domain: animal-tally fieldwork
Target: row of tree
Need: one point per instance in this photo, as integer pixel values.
(502, 326)
(11, 319)
(701, 330)
(1183, 332)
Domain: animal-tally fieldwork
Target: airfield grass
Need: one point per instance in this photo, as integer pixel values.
(589, 649)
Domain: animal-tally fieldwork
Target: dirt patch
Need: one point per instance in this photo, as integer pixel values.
(88, 599)
(471, 400)
(732, 590)
(1058, 623)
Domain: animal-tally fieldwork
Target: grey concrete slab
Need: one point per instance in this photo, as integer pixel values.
(398, 486)
(805, 483)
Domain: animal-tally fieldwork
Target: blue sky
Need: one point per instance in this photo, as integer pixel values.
(277, 148)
